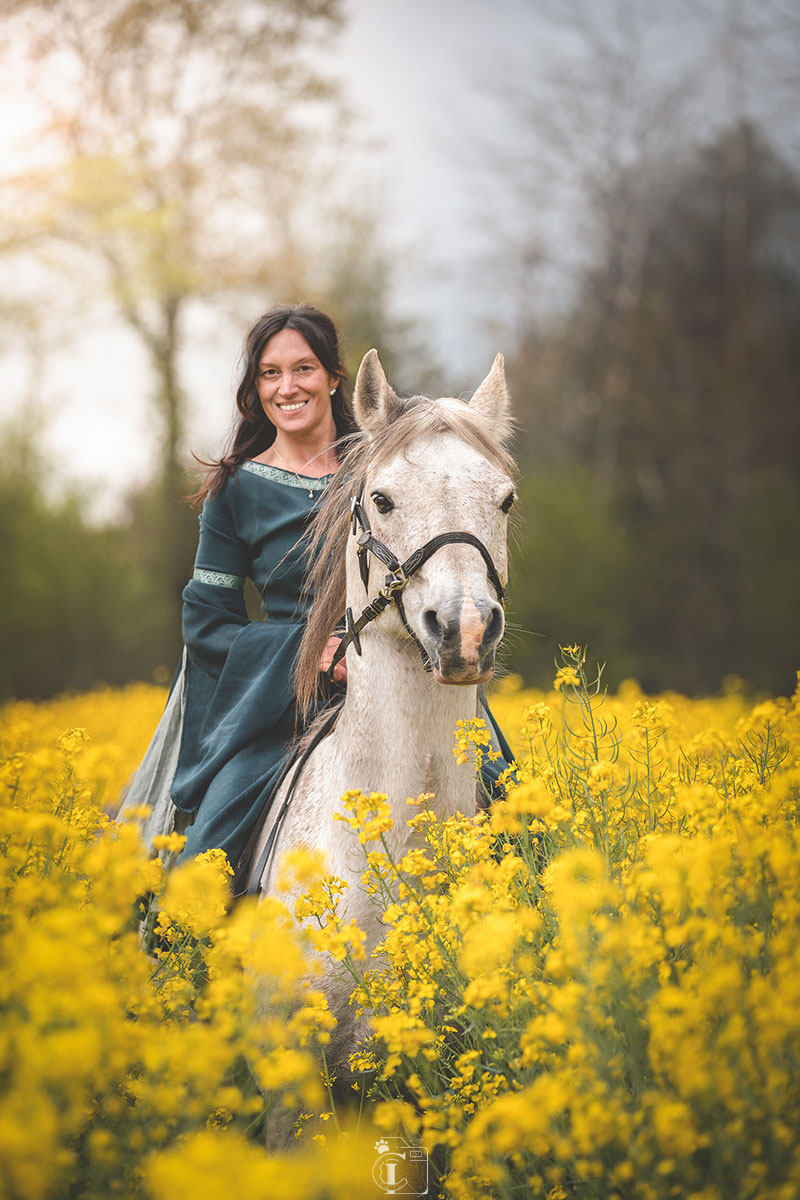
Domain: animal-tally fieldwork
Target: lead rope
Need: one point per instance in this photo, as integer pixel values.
(254, 888)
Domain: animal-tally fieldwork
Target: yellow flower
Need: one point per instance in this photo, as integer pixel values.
(472, 737)
(300, 866)
(393, 1114)
(172, 842)
(371, 816)
(533, 799)
(197, 894)
(490, 943)
(566, 677)
(538, 718)
(584, 990)
(72, 740)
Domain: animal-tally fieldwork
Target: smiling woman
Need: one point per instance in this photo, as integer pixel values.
(292, 399)
(231, 712)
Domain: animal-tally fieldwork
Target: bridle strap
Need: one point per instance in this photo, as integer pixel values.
(398, 577)
(421, 556)
(390, 594)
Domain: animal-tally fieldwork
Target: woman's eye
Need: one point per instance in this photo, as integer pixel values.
(509, 500)
(382, 503)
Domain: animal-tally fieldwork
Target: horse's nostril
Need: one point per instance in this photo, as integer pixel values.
(494, 627)
(433, 626)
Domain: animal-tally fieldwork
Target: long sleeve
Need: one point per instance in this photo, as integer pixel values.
(214, 610)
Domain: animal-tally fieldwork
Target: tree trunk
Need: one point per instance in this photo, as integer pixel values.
(170, 401)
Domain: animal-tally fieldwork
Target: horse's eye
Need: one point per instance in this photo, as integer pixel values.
(509, 500)
(382, 503)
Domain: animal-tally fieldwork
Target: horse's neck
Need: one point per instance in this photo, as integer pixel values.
(397, 728)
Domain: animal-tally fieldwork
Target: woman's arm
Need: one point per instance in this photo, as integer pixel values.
(214, 610)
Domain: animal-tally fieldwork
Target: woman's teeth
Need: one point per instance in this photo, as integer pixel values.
(292, 407)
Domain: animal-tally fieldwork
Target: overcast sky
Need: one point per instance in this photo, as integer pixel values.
(425, 74)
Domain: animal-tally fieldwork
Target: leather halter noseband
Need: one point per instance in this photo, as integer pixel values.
(398, 577)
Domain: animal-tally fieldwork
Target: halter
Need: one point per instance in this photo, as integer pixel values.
(398, 577)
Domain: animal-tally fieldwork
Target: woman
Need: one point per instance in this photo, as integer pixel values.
(231, 713)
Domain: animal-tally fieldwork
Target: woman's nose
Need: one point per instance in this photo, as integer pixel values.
(287, 384)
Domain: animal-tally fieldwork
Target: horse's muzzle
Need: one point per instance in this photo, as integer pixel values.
(461, 639)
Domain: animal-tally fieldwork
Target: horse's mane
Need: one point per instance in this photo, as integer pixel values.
(419, 417)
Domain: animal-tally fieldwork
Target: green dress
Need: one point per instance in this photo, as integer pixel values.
(239, 713)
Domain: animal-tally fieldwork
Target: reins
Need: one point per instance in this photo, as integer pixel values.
(253, 888)
(398, 577)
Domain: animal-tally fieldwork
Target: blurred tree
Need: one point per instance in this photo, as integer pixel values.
(357, 292)
(191, 155)
(649, 254)
(706, 430)
(194, 150)
(188, 141)
(713, 365)
(77, 608)
(571, 562)
(611, 95)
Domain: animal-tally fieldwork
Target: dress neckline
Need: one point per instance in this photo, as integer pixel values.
(309, 483)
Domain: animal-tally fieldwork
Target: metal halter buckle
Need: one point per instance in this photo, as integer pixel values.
(395, 582)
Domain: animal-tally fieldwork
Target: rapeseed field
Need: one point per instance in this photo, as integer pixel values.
(590, 990)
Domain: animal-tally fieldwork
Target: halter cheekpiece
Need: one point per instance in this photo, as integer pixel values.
(398, 576)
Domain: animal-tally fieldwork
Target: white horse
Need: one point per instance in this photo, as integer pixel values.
(422, 468)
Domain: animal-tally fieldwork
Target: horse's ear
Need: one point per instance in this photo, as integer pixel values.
(491, 400)
(374, 402)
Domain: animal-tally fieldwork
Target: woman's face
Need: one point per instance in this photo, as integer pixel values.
(294, 387)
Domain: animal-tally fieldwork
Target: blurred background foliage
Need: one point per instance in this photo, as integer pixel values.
(656, 396)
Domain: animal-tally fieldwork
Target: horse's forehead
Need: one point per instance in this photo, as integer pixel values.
(440, 458)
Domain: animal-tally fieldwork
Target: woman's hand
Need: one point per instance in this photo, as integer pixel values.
(340, 670)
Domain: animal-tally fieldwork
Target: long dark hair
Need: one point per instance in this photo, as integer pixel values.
(254, 432)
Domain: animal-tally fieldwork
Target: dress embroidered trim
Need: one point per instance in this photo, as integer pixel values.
(308, 482)
(217, 578)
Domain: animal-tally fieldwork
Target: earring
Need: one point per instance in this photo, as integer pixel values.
(333, 389)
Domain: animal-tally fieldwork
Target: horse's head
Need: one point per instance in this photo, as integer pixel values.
(435, 468)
